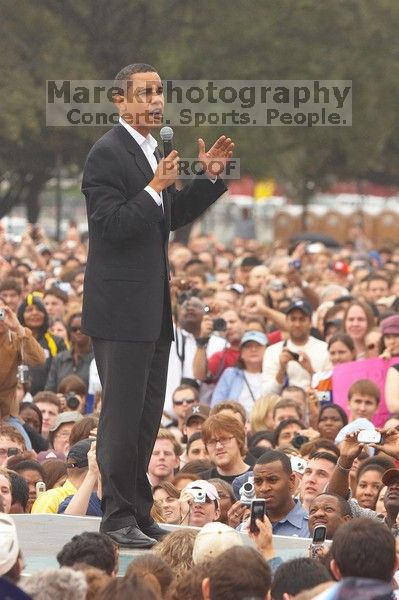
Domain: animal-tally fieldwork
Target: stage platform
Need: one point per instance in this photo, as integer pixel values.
(41, 537)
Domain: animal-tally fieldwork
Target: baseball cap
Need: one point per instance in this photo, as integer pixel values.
(213, 539)
(300, 304)
(49, 455)
(254, 336)
(77, 455)
(390, 325)
(340, 266)
(250, 261)
(344, 298)
(66, 417)
(389, 476)
(235, 287)
(198, 410)
(9, 546)
(207, 487)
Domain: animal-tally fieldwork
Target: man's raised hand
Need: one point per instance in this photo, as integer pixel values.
(214, 160)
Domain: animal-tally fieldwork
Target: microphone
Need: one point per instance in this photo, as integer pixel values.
(166, 134)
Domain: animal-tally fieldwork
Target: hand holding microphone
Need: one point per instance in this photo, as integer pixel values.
(168, 167)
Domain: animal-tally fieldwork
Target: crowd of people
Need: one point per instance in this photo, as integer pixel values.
(283, 386)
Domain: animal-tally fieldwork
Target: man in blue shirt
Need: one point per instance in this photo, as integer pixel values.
(274, 481)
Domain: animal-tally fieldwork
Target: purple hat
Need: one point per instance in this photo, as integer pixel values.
(390, 325)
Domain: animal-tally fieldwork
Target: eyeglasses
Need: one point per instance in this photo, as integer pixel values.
(63, 434)
(184, 401)
(222, 441)
(75, 329)
(9, 451)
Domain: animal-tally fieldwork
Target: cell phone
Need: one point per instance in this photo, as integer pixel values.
(258, 511)
(369, 436)
(40, 488)
(319, 534)
(319, 537)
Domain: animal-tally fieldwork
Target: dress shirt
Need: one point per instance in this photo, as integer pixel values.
(295, 523)
(148, 145)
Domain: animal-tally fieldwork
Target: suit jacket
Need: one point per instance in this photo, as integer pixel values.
(126, 280)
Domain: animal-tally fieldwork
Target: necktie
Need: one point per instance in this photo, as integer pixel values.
(157, 154)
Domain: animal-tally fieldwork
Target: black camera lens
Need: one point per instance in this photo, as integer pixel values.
(72, 401)
(299, 440)
(219, 325)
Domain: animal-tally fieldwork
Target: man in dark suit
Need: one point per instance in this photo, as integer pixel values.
(131, 208)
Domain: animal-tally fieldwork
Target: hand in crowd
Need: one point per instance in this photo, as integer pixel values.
(186, 499)
(255, 306)
(386, 355)
(237, 513)
(11, 321)
(206, 326)
(264, 538)
(310, 433)
(390, 443)
(285, 358)
(318, 552)
(350, 449)
(92, 460)
(305, 363)
(313, 406)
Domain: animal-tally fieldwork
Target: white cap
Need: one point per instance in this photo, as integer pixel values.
(9, 547)
(213, 539)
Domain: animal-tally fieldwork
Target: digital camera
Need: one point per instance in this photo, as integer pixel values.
(72, 401)
(22, 373)
(199, 495)
(369, 436)
(298, 440)
(219, 325)
(247, 491)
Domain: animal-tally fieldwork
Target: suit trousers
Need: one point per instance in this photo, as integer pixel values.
(133, 376)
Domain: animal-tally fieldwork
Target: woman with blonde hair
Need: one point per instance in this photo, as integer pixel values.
(262, 413)
(176, 549)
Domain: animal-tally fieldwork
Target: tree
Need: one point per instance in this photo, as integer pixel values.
(305, 39)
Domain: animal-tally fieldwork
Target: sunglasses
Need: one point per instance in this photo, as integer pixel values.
(184, 401)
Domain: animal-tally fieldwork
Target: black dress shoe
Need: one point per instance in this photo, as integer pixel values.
(131, 537)
(154, 531)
